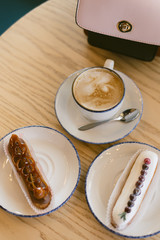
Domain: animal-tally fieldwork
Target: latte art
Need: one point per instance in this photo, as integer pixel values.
(98, 89)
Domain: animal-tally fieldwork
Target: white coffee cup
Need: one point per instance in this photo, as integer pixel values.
(99, 92)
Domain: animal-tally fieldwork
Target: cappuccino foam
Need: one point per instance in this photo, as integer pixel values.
(98, 89)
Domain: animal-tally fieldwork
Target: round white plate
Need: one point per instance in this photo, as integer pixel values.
(101, 179)
(60, 163)
(71, 119)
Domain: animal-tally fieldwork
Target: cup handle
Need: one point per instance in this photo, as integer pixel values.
(109, 63)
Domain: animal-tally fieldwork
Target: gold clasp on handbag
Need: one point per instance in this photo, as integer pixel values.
(124, 26)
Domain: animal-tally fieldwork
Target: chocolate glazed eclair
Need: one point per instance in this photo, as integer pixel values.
(26, 167)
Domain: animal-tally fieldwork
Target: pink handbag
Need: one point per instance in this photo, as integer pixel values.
(128, 27)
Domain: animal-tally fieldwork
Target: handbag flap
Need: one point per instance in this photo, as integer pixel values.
(136, 20)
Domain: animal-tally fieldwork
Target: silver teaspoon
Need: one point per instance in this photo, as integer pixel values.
(126, 116)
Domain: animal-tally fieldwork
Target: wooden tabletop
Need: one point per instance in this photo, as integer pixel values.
(36, 55)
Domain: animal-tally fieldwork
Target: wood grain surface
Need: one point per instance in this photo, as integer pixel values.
(36, 55)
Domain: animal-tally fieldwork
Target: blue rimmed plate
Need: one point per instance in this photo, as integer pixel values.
(71, 119)
(101, 179)
(60, 163)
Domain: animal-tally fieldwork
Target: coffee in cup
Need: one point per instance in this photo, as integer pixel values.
(98, 89)
(98, 92)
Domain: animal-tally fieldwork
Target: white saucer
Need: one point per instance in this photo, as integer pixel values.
(60, 163)
(71, 119)
(101, 179)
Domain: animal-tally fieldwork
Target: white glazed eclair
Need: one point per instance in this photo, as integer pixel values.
(127, 201)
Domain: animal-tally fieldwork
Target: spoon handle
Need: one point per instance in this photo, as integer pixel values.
(92, 125)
